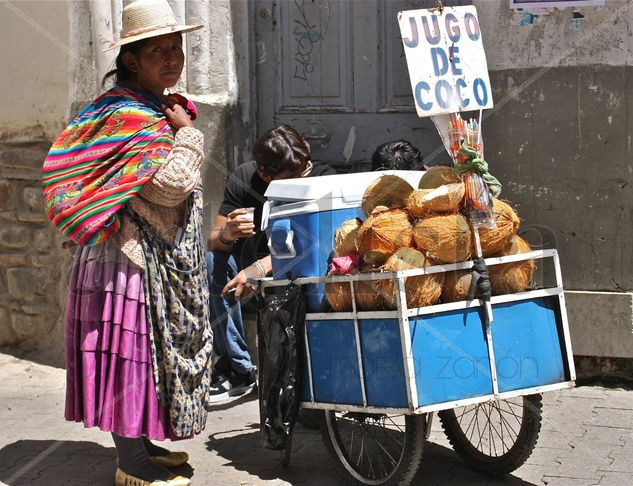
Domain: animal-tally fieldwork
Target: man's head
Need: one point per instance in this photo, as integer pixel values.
(396, 155)
(281, 153)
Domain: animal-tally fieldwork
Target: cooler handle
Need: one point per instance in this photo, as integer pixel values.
(281, 240)
(265, 215)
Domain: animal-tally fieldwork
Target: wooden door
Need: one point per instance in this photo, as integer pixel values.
(336, 71)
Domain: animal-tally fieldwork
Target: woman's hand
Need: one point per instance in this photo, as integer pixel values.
(239, 224)
(176, 115)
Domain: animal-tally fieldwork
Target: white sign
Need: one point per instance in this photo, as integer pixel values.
(446, 60)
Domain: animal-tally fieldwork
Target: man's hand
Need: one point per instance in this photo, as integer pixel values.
(239, 224)
(240, 284)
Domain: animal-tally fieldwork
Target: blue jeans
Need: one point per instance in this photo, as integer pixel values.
(229, 339)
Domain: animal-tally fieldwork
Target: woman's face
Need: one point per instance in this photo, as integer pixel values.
(159, 63)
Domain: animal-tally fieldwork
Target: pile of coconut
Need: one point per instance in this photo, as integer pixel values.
(407, 228)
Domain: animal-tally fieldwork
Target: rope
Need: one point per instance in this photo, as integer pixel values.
(479, 165)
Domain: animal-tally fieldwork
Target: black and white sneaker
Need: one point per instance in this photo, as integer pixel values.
(233, 385)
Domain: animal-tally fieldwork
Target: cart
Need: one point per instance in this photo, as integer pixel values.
(380, 376)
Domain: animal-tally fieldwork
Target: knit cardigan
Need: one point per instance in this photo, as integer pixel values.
(161, 202)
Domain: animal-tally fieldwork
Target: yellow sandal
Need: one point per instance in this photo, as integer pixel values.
(123, 479)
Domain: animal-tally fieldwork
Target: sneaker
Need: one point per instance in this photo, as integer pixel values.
(224, 387)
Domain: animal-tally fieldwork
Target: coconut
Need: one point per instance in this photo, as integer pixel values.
(437, 176)
(456, 285)
(339, 296)
(368, 293)
(494, 240)
(445, 239)
(383, 233)
(444, 199)
(388, 190)
(421, 290)
(345, 238)
(510, 278)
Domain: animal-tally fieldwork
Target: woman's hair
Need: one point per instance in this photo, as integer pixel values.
(121, 74)
(281, 149)
(396, 155)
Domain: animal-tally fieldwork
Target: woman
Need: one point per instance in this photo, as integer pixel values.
(123, 183)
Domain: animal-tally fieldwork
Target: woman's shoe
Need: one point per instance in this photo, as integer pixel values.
(123, 479)
(173, 459)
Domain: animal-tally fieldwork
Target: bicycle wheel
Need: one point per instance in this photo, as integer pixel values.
(495, 437)
(375, 449)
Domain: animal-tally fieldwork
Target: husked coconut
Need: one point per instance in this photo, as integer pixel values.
(456, 285)
(339, 296)
(421, 290)
(345, 238)
(437, 176)
(445, 239)
(368, 292)
(443, 199)
(389, 190)
(510, 278)
(382, 234)
(494, 240)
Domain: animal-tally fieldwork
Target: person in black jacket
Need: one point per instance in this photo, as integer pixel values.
(238, 250)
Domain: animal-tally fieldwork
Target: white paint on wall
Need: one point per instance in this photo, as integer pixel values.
(603, 36)
(348, 149)
(34, 74)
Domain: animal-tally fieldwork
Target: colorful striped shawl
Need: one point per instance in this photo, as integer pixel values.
(102, 160)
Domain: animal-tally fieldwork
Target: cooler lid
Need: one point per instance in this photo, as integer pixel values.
(349, 187)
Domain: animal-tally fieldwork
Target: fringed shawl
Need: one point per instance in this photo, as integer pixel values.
(113, 147)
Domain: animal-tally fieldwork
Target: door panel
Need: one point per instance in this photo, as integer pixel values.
(336, 71)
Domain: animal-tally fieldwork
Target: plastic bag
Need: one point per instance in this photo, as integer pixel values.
(280, 331)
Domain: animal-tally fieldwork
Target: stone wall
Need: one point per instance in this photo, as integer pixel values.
(30, 254)
(32, 263)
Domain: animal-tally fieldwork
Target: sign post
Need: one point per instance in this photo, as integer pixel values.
(449, 74)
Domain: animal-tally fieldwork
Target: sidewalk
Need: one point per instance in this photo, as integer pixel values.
(586, 439)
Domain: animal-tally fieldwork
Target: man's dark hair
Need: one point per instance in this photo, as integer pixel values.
(396, 155)
(281, 149)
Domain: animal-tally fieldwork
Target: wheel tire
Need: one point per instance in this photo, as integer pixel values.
(407, 465)
(517, 453)
(310, 418)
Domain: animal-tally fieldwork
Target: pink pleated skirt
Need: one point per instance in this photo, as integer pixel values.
(110, 382)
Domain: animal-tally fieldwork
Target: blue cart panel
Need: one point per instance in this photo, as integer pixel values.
(450, 355)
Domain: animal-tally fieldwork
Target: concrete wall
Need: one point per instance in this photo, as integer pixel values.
(560, 138)
(34, 81)
(34, 77)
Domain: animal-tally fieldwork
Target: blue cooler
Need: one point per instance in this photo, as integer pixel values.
(300, 219)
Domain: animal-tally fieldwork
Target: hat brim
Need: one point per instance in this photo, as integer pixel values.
(154, 33)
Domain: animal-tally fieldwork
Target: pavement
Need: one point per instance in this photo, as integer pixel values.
(586, 439)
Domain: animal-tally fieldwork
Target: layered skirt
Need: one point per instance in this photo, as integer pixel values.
(110, 381)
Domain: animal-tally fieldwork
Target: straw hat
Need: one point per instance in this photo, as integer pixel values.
(148, 18)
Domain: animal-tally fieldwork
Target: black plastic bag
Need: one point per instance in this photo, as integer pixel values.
(280, 331)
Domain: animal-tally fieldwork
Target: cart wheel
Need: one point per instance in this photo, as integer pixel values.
(495, 437)
(375, 449)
